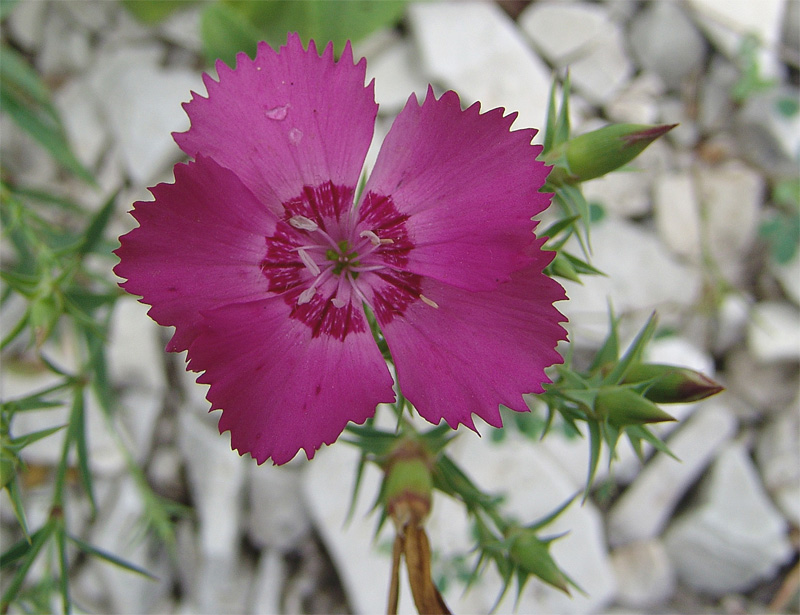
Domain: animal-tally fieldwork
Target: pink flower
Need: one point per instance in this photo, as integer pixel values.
(259, 258)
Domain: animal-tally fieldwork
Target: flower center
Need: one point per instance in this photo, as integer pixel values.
(344, 258)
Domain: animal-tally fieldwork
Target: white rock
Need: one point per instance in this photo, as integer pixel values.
(778, 459)
(678, 214)
(732, 317)
(773, 333)
(625, 193)
(764, 387)
(65, 48)
(672, 110)
(92, 15)
(727, 21)
(644, 509)
(475, 49)
(637, 103)
(398, 74)
(135, 351)
(645, 576)
(666, 42)
(731, 196)
(87, 134)
(642, 276)
(277, 518)
(772, 139)
(268, 583)
(183, 27)
(117, 531)
(141, 102)
(216, 478)
(734, 537)
(715, 108)
(562, 31)
(26, 23)
(788, 275)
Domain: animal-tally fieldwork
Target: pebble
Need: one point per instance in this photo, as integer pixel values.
(142, 104)
(674, 52)
(86, 132)
(764, 387)
(475, 49)
(637, 103)
(118, 531)
(677, 212)
(645, 575)
(733, 537)
(642, 275)
(65, 49)
(644, 509)
(773, 333)
(216, 477)
(277, 517)
(731, 196)
(397, 73)
(562, 31)
(778, 459)
(788, 275)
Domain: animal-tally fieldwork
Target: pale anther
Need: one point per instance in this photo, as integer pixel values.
(306, 296)
(429, 302)
(373, 238)
(303, 223)
(338, 303)
(308, 261)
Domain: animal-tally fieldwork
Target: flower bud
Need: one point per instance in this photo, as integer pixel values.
(604, 150)
(624, 406)
(671, 384)
(532, 555)
(408, 485)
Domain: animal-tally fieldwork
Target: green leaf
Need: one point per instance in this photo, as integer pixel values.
(226, 32)
(151, 12)
(634, 352)
(15, 495)
(25, 98)
(94, 232)
(20, 442)
(111, 559)
(321, 20)
(27, 557)
(63, 565)
(78, 433)
(23, 547)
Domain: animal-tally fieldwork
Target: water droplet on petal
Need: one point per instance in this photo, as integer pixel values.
(278, 113)
(295, 134)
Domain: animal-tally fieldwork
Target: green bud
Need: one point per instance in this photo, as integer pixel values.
(624, 406)
(408, 485)
(8, 466)
(563, 268)
(604, 150)
(43, 315)
(672, 385)
(533, 556)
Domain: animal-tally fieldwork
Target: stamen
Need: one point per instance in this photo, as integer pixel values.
(303, 223)
(374, 239)
(306, 296)
(429, 302)
(308, 261)
(338, 303)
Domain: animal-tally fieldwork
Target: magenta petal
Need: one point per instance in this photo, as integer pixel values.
(478, 349)
(199, 245)
(469, 186)
(279, 389)
(285, 120)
